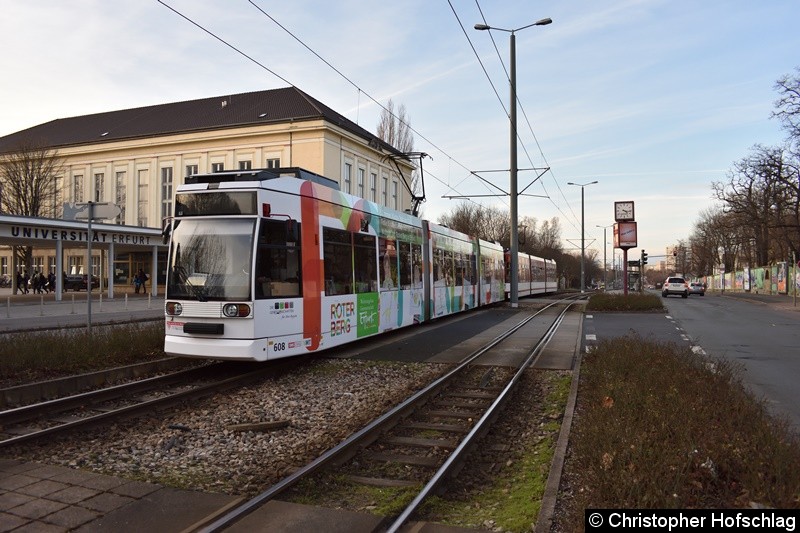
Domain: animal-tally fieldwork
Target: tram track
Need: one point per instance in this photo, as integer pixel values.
(104, 405)
(453, 411)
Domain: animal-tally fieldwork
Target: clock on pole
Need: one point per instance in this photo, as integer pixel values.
(623, 211)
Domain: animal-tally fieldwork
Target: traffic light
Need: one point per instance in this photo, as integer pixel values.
(644, 258)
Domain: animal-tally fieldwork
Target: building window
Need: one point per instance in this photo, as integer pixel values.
(4, 266)
(99, 185)
(361, 176)
(373, 183)
(121, 196)
(394, 195)
(385, 191)
(166, 192)
(245, 165)
(191, 170)
(274, 163)
(347, 178)
(77, 188)
(58, 196)
(141, 211)
(217, 167)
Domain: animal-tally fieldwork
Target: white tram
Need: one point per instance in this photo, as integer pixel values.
(274, 263)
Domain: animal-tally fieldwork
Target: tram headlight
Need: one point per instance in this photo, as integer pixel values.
(236, 310)
(174, 308)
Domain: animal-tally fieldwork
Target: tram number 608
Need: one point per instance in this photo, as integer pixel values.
(279, 346)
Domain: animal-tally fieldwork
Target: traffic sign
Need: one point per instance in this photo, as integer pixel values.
(100, 211)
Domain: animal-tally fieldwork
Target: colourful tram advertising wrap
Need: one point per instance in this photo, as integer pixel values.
(274, 263)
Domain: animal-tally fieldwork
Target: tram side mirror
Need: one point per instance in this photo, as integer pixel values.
(166, 230)
(292, 231)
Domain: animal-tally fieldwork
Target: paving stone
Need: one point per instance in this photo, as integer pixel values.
(9, 522)
(106, 502)
(100, 482)
(40, 527)
(15, 481)
(73, 494)
(37, 508)
(6, 464)
(15, 467)
(72, 477)
(135, 489)
(42, 488)
(46, 471)
(9, 500)
(71, 517)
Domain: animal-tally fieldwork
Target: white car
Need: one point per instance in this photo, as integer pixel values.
(675, 285)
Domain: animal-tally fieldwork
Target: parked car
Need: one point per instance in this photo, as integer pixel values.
(78, 283)
(675, 285)
(696, 287)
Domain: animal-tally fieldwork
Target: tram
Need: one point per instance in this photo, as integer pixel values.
(265, 264)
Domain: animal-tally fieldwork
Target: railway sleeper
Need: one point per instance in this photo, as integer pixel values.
(383, 482)
(445, 402)
(416, 460)
(445, 444)
(471, 394)
(438, 413)
(435, 427)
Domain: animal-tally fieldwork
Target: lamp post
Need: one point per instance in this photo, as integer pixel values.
(512, 116)
(605, 273)
(583, 245)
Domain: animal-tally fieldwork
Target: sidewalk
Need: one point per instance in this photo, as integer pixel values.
(30, 312)
(780, 301)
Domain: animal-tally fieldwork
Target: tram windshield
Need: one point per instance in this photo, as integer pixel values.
(210, 259)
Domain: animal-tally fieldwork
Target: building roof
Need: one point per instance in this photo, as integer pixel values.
(219, 112)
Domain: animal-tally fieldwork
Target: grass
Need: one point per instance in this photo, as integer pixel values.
(512, 501)
(34, 356)
(621, 302)
(658, 426)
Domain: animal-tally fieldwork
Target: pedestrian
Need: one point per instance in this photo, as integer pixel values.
(139, 281)
(25, 280)
(43, 283)
(51, 281)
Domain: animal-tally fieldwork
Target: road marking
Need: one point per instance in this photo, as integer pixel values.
(589, 316)
(591, 337)
(698, 350)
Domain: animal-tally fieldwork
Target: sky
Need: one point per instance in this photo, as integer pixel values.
(653, 99)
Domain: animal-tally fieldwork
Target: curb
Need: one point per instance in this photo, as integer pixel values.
(544, 523)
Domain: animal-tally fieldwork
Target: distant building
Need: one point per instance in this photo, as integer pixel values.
(135, 158)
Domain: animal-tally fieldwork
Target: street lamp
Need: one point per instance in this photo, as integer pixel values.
(583, 246)
(605, 273)
(513, 150)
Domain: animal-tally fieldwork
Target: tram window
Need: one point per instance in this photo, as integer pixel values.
(416, 266)
(278, 263)
(388, 257)
(448, 267)
(438, 268)
(405, 265)
(459, 267)
(366, 263)
(472, 269)
(337, 252)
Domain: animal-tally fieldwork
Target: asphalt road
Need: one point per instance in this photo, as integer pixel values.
(763, 338)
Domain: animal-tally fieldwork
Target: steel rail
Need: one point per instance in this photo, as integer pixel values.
(328, 456)
(196, 392)
(479, 426)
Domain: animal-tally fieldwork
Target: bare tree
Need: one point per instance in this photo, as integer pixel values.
(788, 105)
(759, 192)
(395, 128)
(28, 185)
(28, 179)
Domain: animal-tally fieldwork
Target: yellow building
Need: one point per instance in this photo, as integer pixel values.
(135, 158)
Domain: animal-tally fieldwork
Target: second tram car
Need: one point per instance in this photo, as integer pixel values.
(274, 263)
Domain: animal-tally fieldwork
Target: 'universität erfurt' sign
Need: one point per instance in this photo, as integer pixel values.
(73, 235)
